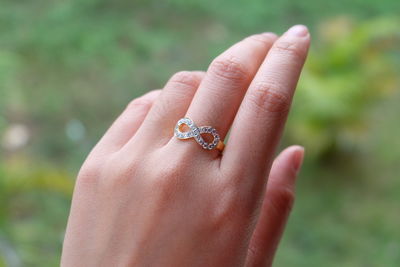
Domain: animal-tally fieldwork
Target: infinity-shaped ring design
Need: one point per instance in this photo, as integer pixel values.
(195, 132)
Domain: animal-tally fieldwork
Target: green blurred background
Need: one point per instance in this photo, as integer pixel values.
(68, 68)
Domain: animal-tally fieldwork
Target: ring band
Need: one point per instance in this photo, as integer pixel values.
(196, 132)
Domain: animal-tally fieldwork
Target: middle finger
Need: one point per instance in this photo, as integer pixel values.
(227, 79)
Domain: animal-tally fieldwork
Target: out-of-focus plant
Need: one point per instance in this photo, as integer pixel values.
(34, 200)
(350, 68)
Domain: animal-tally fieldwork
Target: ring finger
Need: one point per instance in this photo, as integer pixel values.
(222, 89)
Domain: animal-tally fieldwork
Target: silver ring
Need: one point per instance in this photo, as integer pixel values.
(195, 132)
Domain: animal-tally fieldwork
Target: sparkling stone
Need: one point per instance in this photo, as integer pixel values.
(196, 132)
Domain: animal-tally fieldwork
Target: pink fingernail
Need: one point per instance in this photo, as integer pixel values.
(298, 159)
(298, 31)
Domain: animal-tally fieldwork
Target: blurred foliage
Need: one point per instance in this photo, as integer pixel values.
(34, 200)
(67, 68)
(352, 67)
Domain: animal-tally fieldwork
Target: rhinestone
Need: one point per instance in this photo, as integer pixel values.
(196, 132)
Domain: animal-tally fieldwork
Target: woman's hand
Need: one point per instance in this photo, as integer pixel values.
(146, 198)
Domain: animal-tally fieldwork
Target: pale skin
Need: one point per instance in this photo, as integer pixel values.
(145, 198)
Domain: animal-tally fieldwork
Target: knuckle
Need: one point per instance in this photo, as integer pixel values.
(89, 173)
(291, 48)
(185, 78)
(181, 87)
(120, 171)
(165, 182)
(229, 68)
(283, 200)
(269, 97)
(225, 210)
(167, 173)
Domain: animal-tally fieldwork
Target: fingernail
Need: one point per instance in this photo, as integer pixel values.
(298, 159)
(298, 31)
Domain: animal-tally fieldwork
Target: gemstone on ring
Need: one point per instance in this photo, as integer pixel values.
(196, 132)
